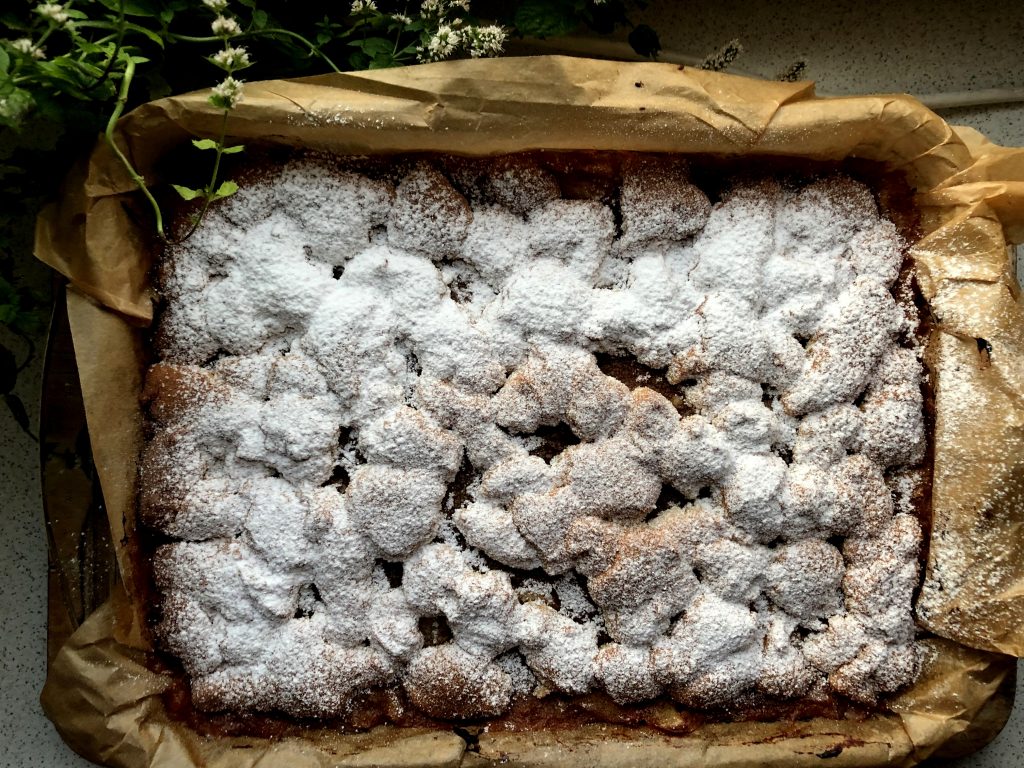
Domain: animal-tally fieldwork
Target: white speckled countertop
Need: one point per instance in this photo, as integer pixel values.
(918, 47)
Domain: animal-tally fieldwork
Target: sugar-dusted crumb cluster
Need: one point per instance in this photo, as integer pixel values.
(382, 405)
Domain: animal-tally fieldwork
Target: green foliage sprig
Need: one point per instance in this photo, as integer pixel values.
(69, 70)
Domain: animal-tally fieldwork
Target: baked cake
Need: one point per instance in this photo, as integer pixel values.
(477, 432)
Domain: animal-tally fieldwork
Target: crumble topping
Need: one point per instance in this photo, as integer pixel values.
(382, 403)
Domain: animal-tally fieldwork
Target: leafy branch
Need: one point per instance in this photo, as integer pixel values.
(70, 70)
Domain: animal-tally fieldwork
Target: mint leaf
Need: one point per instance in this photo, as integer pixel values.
(226, 189)
(233, 150)
(204, 143)
(187, 193)
(546, 18)
(146, 8)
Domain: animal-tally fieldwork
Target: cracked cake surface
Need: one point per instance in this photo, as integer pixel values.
(393, 444)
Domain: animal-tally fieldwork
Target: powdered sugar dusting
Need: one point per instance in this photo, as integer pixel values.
(384, 401)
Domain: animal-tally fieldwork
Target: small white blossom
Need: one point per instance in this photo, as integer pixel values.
(363, 6)
(431, 7)
(217, 6)
(444, 42)
(54, 12)
(225, 27)
(227, 94)
(232, 57)
(26, 46)
(401, 18)
(463, 4)
(485, 41)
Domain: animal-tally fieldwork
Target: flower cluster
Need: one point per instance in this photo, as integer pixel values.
(443, 7)
(447, 34)
(53, 12)
(231, 58)
(225, 26)
(443, 43)
(27, 47)
(450, 39)
(485, 41)
(363, 6)
(227, 94)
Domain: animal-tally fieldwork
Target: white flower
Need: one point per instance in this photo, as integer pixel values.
(217, 6)
(227, 94)
(401, 18)
(225, 27)
(485, 41)
(232, 57)
(26, 46)
(442, 8)
(54, 12)
(363, 6)
(444, 42)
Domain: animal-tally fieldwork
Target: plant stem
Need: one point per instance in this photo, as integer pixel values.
(113, 54)
(212, 187)
(140, 182)
(301, 39)
(262, 32)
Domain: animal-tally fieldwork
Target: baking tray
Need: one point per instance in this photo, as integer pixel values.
(82, 566)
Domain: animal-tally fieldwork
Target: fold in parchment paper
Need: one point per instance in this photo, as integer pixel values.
(104, 699)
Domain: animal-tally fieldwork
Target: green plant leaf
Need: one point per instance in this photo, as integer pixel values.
(15, 106)
(382, 61)
(30, 322)
(546, 18)
(204, 143)
(374, 46)
(226, 189)
(156, 85)
(15, 22)
(147, 8)
(154, 36)
(5, 61)
(187, 193)
(259, 19)
(8, 293)
(233, 150)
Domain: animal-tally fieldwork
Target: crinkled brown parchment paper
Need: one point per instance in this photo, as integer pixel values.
(106, 702)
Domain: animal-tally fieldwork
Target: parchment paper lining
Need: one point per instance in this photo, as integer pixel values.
(105, 701)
